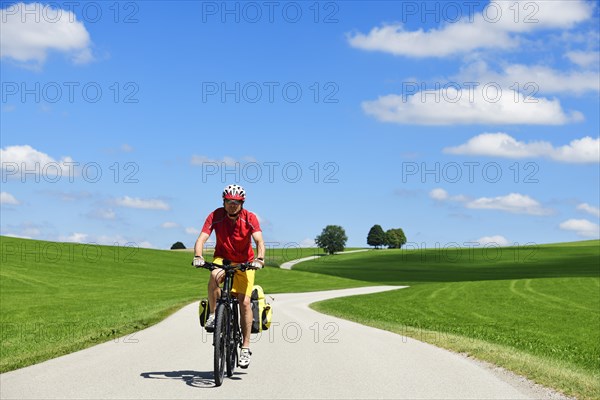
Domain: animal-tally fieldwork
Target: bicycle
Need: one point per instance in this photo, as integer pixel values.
(227, 337)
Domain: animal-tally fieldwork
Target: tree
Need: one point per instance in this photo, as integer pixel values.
(177, 246)
(395, 238)
(376, 236)
(332, 239)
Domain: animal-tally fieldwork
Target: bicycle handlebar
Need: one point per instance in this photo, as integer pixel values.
(242, 266)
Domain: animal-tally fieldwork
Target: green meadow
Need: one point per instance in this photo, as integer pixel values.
(534, 310)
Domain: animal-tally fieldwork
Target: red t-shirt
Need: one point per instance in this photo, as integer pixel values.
(234, 239)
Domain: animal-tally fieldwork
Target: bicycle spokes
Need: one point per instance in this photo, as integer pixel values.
(220, 342)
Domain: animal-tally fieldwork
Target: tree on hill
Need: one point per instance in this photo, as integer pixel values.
(332, 239)
(395, 238)
(177, 246)
(376, 236)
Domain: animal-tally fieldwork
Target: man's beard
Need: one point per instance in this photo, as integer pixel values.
(235, 214)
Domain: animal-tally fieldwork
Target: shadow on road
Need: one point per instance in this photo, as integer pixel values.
(197, 379)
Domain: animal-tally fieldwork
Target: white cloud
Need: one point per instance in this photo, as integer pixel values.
(304, 243)
(106, 240)
(493, 28)
(442, 195)
(23, 161)
(585, 59)
(514, 203)
(30, 31)
(118, 240)
(147, 204)
(76, 237)
(582, 227)
(69, 196)
(125, 148)
(31, 230)
(496, 240)
(470, 105)
(589, 209)
(532, 80)
(499, 145)
(192, 231)
(169, 225)
(584, 150)
(107, 214)
(9, 199)
(25, 230)
(259, 218)
(264, 223)
(438, 194)
(15, 235)
(200, 160)
(453, 38)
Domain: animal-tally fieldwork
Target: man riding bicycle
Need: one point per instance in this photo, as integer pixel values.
(234, 228)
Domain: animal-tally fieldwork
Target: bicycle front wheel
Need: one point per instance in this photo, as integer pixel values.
(232, 341)
(220, 342)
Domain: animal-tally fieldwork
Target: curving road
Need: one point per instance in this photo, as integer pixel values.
(304, 355)
(290, 264)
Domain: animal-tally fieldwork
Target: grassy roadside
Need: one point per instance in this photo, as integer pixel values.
(56, 298)
(539, 318)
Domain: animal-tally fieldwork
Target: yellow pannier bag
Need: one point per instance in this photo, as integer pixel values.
(261, 310)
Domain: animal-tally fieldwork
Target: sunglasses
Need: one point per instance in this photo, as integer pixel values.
(236, 202)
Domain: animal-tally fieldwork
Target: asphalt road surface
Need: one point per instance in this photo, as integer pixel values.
(304, 355)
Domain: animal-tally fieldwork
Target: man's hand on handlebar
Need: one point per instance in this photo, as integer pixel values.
(198, 261)
(258, 263)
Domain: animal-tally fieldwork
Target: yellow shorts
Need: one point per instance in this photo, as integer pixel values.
(242, 281)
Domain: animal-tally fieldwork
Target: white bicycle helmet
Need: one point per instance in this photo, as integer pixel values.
(234, 192)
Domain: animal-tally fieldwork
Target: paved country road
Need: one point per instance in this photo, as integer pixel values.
(290, 264)
(305, 354)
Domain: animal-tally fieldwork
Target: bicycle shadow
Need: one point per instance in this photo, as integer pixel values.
(204, 379)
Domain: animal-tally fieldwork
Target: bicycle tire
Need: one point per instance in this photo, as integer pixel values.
(220, 342)
(232, 340)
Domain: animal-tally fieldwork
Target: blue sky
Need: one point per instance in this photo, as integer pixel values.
(458, 122)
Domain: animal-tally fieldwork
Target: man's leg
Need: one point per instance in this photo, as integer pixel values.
(246, 323)
(214, 291)
(246, 318)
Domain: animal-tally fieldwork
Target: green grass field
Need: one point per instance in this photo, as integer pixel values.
(534, 310)
(56, 298)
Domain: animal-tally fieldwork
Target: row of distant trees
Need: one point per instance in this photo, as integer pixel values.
(333, 238)
(392, 238)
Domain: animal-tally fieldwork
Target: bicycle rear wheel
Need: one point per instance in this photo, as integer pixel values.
(220, 342)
